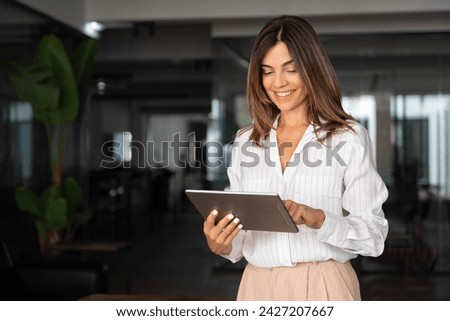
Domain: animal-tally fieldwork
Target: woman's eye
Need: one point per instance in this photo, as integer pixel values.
(267, 73)
(292, 71)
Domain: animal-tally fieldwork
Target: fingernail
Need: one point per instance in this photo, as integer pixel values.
(215, 212)
(230, 216)
(236, 220)
(240, 226)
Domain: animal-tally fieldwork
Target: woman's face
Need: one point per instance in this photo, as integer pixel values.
(281, 79)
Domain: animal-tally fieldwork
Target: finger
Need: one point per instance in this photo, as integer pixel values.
(217, 229)
(297, 218)
(287, 203)
(295, 213)
(211, 218)
(227, 230)
(209, 222)
(231, 226)
(291, 208)
(233, 234)
(225, 221)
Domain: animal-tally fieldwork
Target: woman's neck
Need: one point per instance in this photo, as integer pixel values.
(293, 119)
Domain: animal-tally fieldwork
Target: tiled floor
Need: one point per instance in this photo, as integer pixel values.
(173, 260)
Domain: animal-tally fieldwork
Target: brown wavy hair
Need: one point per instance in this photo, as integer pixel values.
(323, 92)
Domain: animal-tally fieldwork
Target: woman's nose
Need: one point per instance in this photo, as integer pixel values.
(279, 80)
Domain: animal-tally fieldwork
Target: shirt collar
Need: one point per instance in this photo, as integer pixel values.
(275, 122)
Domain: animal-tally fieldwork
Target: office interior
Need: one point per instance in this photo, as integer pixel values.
(175, 71)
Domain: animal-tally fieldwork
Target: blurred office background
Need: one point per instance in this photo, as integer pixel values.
(175, 71)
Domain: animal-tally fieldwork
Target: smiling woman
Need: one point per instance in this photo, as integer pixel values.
(294, 100)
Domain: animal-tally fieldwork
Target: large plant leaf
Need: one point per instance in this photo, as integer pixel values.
(53, 191)
(56, 213)
(27, 201)
(54, 207)
(31, 85)
(83, 59)
(38, 72)
(52, 55)
(72, 193)
(41, 228)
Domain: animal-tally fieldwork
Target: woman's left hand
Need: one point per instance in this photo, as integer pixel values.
(303, 214)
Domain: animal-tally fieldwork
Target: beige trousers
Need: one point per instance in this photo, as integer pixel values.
(313, 281)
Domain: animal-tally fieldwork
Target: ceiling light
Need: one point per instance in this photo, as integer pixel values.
(93, 29)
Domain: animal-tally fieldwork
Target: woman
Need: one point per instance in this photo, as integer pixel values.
(318, 159)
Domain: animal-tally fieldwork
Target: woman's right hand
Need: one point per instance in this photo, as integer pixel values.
(219, 236)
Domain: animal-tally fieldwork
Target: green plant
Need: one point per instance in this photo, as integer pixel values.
(58, 207)
(55, 85)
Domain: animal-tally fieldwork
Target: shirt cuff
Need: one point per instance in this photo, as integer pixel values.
(334, 230)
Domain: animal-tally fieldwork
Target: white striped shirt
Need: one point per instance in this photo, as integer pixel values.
(339, 178)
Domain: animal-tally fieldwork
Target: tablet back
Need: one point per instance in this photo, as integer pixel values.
(256, 211)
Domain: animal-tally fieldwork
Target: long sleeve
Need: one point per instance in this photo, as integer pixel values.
(364, 229)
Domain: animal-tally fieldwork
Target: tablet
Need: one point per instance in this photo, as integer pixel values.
(256, 211)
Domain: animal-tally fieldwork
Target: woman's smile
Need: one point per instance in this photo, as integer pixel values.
(284, 94)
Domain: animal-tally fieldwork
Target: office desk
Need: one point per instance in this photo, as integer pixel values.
(149, 297)
(86, 248)
(104, 247)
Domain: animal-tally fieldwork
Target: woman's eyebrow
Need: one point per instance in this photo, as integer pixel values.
(284, 64)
